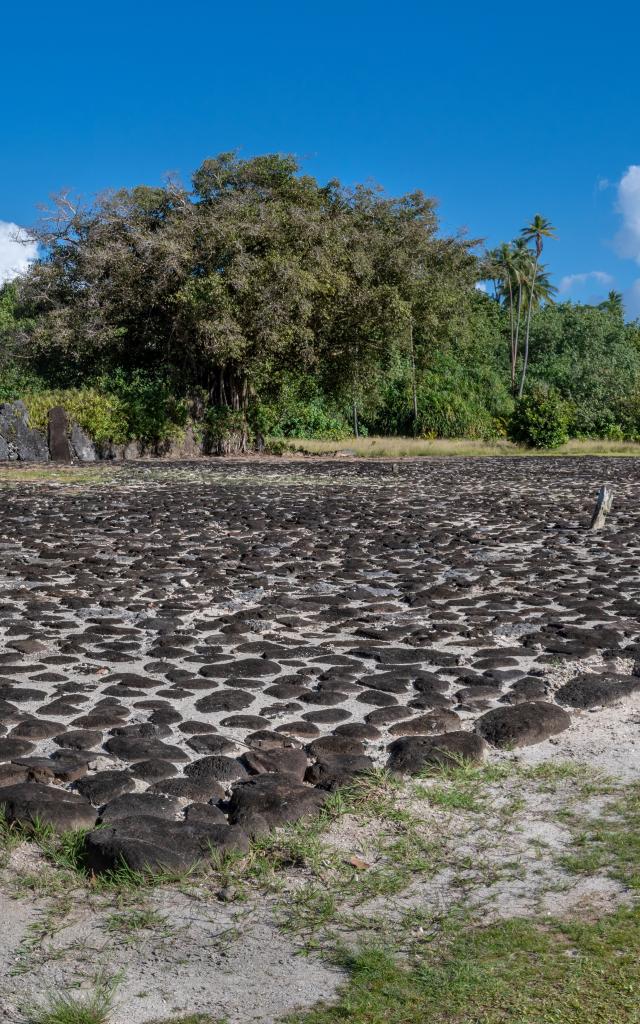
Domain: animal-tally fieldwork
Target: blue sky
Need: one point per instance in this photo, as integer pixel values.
(501, 111)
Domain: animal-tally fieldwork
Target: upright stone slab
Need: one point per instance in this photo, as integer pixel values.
(20, 441)
(59, 449)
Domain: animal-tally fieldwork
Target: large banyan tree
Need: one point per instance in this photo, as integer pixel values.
(254, 269)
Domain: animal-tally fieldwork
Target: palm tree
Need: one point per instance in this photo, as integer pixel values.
(614, 303)
(501, 267)
(522, 266)
(539, 229)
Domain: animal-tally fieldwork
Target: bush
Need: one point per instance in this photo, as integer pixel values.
(153, 412)
(541, 419)
(15, 382)
(294, 405)
(103, 416)
(115, 408)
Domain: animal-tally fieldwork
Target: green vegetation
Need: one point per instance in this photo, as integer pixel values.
(260, 304)
(76, 1008)
(611, 841)
(514, 972)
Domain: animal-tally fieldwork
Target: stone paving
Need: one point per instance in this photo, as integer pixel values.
(192, 653)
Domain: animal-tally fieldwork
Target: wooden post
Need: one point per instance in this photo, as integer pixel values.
(603, 506)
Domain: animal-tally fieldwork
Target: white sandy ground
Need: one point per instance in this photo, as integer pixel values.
(231, 959)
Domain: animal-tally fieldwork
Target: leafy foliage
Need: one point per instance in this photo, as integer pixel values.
(259, 303)
(541, 418)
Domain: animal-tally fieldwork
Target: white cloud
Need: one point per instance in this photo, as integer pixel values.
(481, 286)
(17, 251)
(571, 281)
(603, 184)
(627, 240)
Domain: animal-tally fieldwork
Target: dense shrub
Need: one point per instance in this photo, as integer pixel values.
(541, 418)
(115, 408)
(15, 382)
(152, 410)
(103, 416)
(293, 405)
(225, 430)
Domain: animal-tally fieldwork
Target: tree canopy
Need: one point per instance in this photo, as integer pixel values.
(307, 307)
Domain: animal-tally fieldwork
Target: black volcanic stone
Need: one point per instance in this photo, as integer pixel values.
(409, 755)
(209, 743)
(13, 746)
(276, 799)
(222, 769)
(148, 843)
(594, 689)
(130, 805)
(224, 700)
(153, 769)
(521, 725)
(140, 748)
(334, 770)
(104, 786)
(29, 802)
(202, 789)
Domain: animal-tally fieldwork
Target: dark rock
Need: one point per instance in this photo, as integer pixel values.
(334, 770)
(200, 790)
(410, 754)
(593, 689)
(288, 762)
(521, 725)
(275, 798)
(20, 441)
(82, 447)
(129, 805)
(207, 813)
(11, 747)
(209, 743)
(58, 429)
(104, 786)
(146, 843)
(222, 769)
(135, 748)
(153, 769)
(29, 802)
(425, 725)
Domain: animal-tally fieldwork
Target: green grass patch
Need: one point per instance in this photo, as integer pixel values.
(514, 972)
(75, 1008)
(611, 841)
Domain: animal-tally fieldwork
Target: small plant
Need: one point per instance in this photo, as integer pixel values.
(67, 1008)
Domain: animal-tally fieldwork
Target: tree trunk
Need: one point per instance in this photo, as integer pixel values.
(512, 331)
(413, 383)
(517, 338)
(528, 328)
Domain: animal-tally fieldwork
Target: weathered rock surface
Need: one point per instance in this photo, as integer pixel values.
(29, 802)
(20, 441)
(58, 432)
(149, 843)
(523, 724)
(594, 689)
(410, 754)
